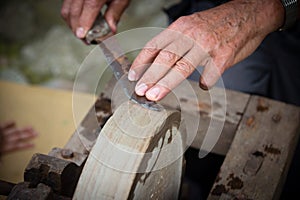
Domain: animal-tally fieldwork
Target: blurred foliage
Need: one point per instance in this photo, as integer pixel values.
(35, 41)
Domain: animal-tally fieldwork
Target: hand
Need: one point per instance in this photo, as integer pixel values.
(13, 138)
(81, 14)
(216, 39)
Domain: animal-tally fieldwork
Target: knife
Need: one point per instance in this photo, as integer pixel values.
(120, 65)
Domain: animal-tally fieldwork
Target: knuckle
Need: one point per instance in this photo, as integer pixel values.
(152, 44)
(181, 20)
(92, 3)
(149, 51)
(168, 57)
(64, 13)
(184, 67)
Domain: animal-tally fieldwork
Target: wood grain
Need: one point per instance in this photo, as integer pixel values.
(259, 157)
(137, 155)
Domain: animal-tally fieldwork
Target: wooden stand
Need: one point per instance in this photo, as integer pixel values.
(138, 155)
(258, 139)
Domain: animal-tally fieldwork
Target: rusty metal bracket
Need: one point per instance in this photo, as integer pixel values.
(61, 175)
(68, 155)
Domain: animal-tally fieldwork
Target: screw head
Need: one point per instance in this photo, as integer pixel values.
(276, 118)
(67, 153)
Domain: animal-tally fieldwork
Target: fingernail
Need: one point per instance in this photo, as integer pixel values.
(153, 93)
(141, 89)
(114, 27)
(80, 32)
(203, 86)
(131, 75)
(35, 133)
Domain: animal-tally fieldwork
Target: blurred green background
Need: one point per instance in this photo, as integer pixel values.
(36, 46)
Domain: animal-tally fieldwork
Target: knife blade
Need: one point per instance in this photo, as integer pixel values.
(117, 61)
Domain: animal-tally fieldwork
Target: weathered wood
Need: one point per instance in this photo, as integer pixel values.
(6, 187)
(259, 157)
(86, 134)
(220, 113)
(68, 155)
(60, 175)
(218, 109)
(194, 104)
(24, 191)
(138, 155)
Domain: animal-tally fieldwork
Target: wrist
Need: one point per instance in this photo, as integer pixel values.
(264, 16)
(273, 15)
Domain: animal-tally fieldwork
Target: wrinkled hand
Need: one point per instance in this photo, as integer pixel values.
(81, 14)
(13, 138)
(216, 39)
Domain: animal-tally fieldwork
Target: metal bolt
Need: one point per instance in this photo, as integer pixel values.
(276, 118)
(250, 121)
(67, 153)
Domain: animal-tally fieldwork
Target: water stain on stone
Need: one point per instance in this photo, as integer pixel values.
(103, 110)
(272, 150)
(262, 105)
(218, 178)
(250, 121)
(235, 182)
(217, 105)
(183, 100)
(219, 189)
(203, 113)
(258, 154)
(204, 106)
(171, 136)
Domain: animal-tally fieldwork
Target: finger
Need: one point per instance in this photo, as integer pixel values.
(164, 61)
(65, 11)
(16, 146)
(7, 124)
(113, 13)
(20, 134)
(14, 130)
(173, 78)
(182, 69)
(149, 53)
(142, 62)
(75, 12)
(90, 11)
(210, 75)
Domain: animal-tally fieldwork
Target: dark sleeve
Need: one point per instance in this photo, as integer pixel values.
(187, 7)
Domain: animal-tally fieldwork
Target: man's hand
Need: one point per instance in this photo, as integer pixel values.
(13, 138)
(216, 39)
(81, 14)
